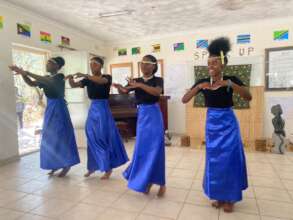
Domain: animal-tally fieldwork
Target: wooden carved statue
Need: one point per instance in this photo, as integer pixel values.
(279, 132)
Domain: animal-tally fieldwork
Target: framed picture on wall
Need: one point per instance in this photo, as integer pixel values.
(279, 69)
(159, 73)
(120, 72)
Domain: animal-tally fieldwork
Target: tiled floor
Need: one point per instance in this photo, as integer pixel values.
(28, 139)
(27, 193)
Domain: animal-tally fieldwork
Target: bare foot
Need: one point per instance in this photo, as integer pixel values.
(51, 173)
(217, 204)
(228, 207)
(88, 173)
(148, 189)
(106, 175)
(161, 191)
(64, 172)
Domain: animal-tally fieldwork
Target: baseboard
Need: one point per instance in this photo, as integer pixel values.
(9, 160)
(30, 152)
(176, 133)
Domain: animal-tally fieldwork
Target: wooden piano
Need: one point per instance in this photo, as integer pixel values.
(124, 111)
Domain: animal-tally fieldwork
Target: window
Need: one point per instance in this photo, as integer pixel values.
(30, 103)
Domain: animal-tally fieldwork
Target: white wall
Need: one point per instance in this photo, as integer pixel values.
(8, 131)
(13, 15)
(262, 37)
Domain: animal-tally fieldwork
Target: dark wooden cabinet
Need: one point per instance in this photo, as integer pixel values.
(124, 111)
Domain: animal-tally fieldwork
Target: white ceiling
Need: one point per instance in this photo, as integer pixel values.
(154, 17)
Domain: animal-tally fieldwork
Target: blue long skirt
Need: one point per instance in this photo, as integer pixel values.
(148, 162)
(225, 172)
(105, 147)
(58, 146)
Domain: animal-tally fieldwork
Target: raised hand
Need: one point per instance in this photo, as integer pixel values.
(120, 88)
(117, 85)
(132, 84)
(68, 77)
(204, 85)
(130, 80)
(16, 69)
(218, 84)
(80, 75)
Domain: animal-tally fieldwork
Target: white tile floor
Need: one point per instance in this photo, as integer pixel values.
(27, 193)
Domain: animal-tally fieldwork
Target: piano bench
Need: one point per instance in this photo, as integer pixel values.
(124, 130)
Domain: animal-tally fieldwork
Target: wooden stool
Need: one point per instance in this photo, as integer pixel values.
(185, 141)
(123, 129)
(290, 147)
(261, 145)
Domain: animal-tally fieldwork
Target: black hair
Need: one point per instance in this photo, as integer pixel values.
(218, 45)
(276, 110)
(59, 61)
(154, 60)
(99, 60)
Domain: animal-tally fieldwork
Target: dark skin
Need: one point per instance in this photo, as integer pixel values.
(96, 77)
(215, 67)
(147, 70)
(33, 79)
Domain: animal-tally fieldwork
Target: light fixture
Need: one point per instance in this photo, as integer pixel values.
(232, 5)
(115, 13)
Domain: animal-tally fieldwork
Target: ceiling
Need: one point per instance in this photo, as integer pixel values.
(154, 17)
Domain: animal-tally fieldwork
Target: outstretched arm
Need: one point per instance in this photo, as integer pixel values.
(155, 91)
(96, 79)
(72, 83)
(121, 89)
(193, 91)
(20, 71)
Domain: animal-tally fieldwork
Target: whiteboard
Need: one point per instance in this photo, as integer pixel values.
(176, 80)
(279, 68)
(120, 75)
